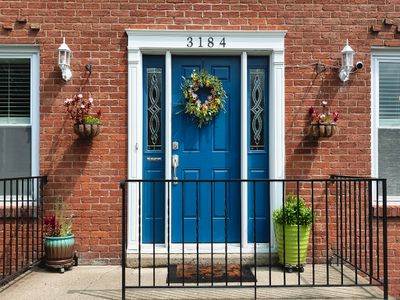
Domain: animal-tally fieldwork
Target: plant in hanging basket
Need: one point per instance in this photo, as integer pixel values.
(78, 108)
(323, 124)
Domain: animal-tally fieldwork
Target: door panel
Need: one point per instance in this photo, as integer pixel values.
(210, 152)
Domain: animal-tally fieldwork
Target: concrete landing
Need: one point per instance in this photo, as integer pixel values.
(104, 282)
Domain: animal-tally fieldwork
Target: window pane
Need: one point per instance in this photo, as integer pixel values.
(389, 159)
(15, 152)
(154, 120)
(257, 105)
(15, 91)
(389, 94)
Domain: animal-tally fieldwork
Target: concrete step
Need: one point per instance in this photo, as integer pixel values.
(161, 259)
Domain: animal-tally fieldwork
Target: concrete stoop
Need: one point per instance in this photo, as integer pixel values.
(161, 259)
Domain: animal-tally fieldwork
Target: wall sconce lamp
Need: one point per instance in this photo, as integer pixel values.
(64, 59)
(347, 62)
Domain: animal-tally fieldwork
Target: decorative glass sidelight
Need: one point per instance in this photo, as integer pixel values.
(154, 113)
(257, 108)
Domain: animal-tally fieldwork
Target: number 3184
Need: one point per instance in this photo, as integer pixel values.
(201, 42)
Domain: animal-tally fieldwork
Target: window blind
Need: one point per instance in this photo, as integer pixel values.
(389, 94)
(15, 91)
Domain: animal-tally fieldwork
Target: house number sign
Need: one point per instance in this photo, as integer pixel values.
(205, 42)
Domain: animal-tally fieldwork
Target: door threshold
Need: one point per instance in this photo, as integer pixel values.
(203, 248)
(160, 260)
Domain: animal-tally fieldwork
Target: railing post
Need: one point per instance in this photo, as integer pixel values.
(122, 185)
(385, 254)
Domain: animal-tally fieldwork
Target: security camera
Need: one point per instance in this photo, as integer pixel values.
(359, 65)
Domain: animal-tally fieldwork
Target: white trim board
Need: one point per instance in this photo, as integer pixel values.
(240, 43)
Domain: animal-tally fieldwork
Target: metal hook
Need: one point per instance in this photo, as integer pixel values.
(88, 68)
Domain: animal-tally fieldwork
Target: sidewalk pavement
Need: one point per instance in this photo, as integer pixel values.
(104, 282)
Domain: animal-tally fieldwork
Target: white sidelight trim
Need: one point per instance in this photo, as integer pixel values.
(240, 43)
(168, 138)
(276, 131)
(244, 152)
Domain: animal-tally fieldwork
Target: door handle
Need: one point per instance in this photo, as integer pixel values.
(175, 165)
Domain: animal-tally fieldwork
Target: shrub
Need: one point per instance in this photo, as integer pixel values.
(294, 212)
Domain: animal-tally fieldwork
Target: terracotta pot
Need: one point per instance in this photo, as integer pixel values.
(322, 130)
(87, 130)
(59, 251)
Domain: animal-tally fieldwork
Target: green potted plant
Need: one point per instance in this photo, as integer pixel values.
(85, 125)
(323, 124)
(59, 241)
(292, 225)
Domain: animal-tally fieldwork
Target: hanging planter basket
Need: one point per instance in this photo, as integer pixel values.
(87, 131)
(322, 130)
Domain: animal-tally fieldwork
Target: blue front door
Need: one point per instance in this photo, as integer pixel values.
(205, 211)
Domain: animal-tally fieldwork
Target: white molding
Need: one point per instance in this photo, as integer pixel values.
(374, 115)
(33, 53)
(276, 131)
(244, 152)
(175, 42)
(168, 141)
(135, 136)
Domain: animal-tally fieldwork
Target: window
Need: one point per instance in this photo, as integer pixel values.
(19, 111)
(257, 107)
(386, 121)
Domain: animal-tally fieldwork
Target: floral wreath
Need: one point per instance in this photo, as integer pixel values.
(205, 111)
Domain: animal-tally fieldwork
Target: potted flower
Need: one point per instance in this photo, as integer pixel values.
(85, 125)
(59, 240)
(323, 124)
(292, 225)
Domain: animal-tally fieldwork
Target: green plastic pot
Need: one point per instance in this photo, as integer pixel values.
(292, 252)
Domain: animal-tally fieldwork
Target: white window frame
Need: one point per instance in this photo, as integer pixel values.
(241, 43)
(31, 52)
(379, 54)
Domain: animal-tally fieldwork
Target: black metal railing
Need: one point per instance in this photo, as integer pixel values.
(21, 235)
(347, 243)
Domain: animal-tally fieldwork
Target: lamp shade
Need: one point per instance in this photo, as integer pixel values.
(347, 56)
(64, 54)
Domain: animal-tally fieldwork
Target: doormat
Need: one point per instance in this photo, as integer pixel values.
(217, 274)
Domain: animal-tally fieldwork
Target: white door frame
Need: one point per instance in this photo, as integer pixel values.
(269, 43)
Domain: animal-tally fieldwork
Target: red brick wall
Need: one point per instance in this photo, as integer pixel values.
(87, 173)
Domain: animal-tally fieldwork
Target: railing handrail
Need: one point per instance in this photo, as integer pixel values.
(333, 176)
(44, 177)
(329, 179)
